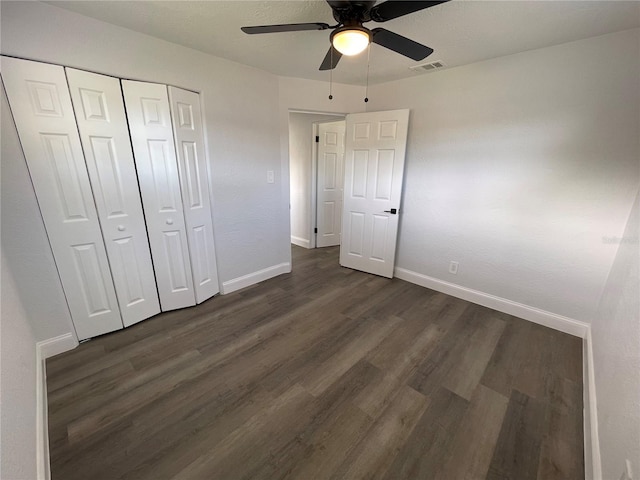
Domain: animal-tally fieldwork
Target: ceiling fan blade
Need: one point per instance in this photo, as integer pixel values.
(400, 44)
(288, 27)
(397, 8)
(331, 59)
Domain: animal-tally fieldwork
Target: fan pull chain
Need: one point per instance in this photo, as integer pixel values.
(366, 91)
(331, 74)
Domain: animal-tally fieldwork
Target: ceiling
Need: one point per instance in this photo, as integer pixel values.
(460, 32)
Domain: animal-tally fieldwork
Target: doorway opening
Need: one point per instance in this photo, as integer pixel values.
(304, 129)
(373, 158)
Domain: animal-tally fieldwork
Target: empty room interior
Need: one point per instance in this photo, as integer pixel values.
(313, 239)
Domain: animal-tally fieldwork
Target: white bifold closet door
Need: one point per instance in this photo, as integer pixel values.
(102, 123)
(147, 106)
(40, 102)
(192, 166)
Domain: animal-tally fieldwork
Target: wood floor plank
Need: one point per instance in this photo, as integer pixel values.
(378, 395)
(237, 454)
(98, 404)
(377, 450)
(185, 440)
(562, 453)
(417, 320)
(436, 367)
(517, 452)
(431, 439)
(332, 444)
(503, 369)
(332, 369)
(468, 362)
(326, 409)
(472, 450)
(322, 373)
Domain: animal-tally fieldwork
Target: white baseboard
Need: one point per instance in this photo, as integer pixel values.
(42, 420)
(255, 277)
(592, 460)
(53, 346)
(533, 314)
(301, 242)
(45, 349)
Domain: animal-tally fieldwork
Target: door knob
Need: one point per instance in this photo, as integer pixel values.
(393, 211)
(169, 221)
(121, 228)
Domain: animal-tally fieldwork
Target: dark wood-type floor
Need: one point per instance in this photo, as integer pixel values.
(323, 373)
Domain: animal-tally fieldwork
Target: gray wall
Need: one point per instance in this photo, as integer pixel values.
(518, 166)
(17, 339)
(615, 335)
(17, 385)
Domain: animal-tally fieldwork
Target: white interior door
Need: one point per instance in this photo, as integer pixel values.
(147, 107)
(192, 166)
(374, 168)
(330, 182)
(42, 110)
(102, 123)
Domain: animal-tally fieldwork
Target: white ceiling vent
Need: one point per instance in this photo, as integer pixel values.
(427, 67)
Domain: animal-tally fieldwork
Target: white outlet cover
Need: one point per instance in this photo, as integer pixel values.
(270, 176)
(453, 268)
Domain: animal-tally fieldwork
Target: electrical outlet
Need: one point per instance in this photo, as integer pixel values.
(270, 176)
(627, 474)
(453, 268)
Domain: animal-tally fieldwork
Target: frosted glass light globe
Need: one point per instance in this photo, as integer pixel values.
(350, 42)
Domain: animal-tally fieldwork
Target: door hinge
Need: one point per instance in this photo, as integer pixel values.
(315, 230)
(317, 138)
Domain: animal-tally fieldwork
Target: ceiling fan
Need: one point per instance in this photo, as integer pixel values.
(350, 37)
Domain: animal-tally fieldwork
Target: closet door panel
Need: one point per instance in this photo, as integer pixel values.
(149, 118)
(101, 119)
(189, 137)
(40, 102)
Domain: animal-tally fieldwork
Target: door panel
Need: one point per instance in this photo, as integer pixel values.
(330, 183)
(87, 265)
(374, 169)
(359, 179)
(147, 106)
(126, 256)
(328, 219)
(356, 233)
(192, 167)
(102, 123)
(177, 269)
(43, 113)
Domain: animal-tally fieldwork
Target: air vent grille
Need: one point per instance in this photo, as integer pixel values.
(428, 67)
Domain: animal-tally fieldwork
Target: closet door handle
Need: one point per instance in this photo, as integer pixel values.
(121, 228)
(169, 221)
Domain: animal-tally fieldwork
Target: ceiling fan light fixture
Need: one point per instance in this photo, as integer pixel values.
(350, 40)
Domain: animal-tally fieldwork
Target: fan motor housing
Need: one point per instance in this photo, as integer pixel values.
(351, 11)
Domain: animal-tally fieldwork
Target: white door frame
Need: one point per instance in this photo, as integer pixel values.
(314, 186)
